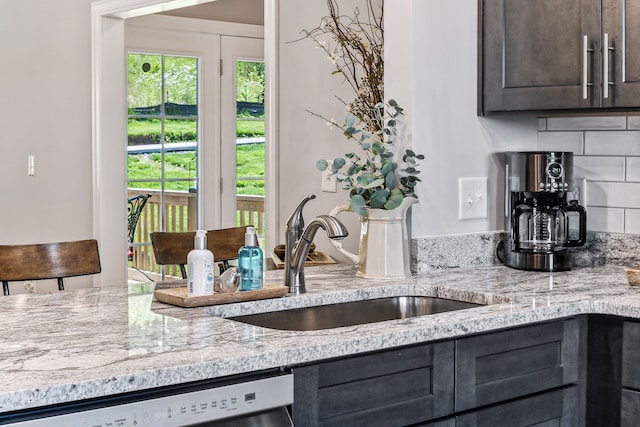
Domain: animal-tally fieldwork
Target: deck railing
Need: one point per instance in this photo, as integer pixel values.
(180, 215)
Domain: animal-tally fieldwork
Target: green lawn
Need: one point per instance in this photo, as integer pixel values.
(147, 131)
(249, 163)
(249, 157)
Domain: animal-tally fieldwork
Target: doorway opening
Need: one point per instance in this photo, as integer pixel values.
(196, 135)
(109, 123)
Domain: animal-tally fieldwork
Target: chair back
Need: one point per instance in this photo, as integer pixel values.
(134, 209)
(48, 261)
(171, 248)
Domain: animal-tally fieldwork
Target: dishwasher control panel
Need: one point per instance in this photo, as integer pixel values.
(187, 408)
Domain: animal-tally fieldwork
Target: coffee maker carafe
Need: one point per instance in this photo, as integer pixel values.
(540, 220)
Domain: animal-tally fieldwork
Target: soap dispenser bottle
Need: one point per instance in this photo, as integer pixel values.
(250, 262)
(200, 267)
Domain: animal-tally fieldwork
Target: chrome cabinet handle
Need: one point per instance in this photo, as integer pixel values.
(605, 66)
(585, 67)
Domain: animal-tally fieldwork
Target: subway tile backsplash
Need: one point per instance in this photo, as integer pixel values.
(606, 153)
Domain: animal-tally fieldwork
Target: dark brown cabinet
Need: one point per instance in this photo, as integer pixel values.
(554, 408)
(630, 399)
(558, 55)
(507, 378)
(395, 387)
(505, 365)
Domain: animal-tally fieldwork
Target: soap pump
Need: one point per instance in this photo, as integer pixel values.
(200, 267)
(250, 262)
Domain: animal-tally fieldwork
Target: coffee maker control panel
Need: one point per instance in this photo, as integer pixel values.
(555, 177)
(553, 186)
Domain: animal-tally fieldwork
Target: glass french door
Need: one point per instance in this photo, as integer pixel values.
(243, 132)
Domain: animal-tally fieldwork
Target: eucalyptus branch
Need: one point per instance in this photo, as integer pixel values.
(355, 46)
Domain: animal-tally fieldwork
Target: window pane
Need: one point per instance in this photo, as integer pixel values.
(181, 85)
(250, 128)
(145, 84)
(144, 147)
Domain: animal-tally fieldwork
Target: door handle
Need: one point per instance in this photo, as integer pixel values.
(605, 66)
(585, 67)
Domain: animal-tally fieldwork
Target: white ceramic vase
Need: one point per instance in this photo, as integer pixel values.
(384, 241)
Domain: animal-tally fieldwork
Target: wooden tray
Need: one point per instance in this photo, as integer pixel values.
(179, 296)
(316, 258)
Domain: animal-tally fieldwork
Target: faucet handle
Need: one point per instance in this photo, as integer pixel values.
(295, 221)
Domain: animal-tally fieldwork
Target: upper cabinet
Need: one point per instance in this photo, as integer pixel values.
(558, 55)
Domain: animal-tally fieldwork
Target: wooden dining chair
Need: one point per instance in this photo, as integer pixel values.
(171, 248)
(48, 261)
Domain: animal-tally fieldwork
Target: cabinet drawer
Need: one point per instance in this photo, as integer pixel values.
(553, 408)
(505, 365)
(396, 387)
(630, 408)
(631, 355)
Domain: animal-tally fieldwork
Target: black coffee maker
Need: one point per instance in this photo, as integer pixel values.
(540, 220)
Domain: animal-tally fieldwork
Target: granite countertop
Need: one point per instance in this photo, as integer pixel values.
(85, 343)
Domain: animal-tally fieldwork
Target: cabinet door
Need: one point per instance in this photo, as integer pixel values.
(630, 410)
(554, 408)
(533, 54)
(621, 21)
(504, 365)
(630, 400)
(631, 355)
(396, 387)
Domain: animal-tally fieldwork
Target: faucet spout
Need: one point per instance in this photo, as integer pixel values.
(297, 255)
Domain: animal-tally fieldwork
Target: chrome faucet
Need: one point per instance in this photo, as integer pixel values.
(298, 241)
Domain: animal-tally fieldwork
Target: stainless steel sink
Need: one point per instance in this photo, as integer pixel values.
(352, 313)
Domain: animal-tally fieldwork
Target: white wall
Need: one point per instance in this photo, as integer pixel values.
(306, 83)
(45, 110)
(446, 129)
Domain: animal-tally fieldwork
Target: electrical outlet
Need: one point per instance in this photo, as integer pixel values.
(329, 182)
(472, 198)
(30, 286)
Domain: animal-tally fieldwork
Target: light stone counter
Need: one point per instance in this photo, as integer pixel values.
(87, 343)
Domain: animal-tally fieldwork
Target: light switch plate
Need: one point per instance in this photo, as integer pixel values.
(472, 198)
(329, 182)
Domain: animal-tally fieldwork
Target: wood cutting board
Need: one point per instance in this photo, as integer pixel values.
(179, 296)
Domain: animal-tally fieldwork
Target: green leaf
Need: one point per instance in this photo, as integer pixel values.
(379, 198)
(366, 178)
(387, 167)
(322, 165)
(350, 120)
(373, 184)
(393, 103)
(390, 180)
(395, 198)
(338, 163)
(358, 204)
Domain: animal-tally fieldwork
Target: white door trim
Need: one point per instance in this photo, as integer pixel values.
(108, 68)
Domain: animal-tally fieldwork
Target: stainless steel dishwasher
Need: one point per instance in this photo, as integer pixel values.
(251, 401)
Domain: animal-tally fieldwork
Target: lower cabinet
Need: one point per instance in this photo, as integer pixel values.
(518, 362)
(396, 387)
(553, 408)
(516, 377)
(630, 399)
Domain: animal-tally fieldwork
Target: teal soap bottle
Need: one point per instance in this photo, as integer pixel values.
(250, 262)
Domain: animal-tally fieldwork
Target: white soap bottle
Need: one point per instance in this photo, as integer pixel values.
(200, 267)
(250, 262)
